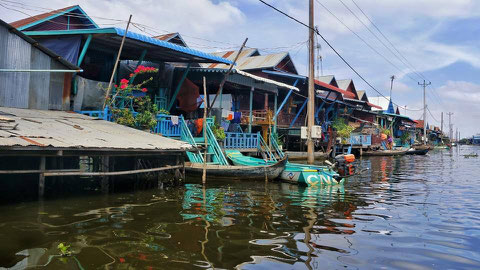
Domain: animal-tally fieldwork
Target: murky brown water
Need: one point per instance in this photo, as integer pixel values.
(410, 212)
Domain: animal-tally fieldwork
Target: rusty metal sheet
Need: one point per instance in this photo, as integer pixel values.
(71, 130)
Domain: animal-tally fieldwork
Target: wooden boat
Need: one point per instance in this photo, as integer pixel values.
(395, 152)
(423, 147)
(413, 151)
(260, 172)
(294, 172)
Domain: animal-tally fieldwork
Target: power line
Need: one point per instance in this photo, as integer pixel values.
(363, 40)
(383, 43)
(429, 112)
(331, 47)
(395, 48)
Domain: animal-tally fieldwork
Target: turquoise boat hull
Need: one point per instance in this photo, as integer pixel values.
(295, 173)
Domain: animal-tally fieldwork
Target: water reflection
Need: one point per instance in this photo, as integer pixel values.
(404, 212)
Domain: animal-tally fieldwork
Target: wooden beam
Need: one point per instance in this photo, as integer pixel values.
(78, 173)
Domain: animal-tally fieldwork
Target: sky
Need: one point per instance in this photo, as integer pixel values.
(436, 40)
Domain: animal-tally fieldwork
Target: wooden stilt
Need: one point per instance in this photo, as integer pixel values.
(41, 178)
(105, 178)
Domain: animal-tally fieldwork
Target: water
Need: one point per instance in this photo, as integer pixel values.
(410, 212)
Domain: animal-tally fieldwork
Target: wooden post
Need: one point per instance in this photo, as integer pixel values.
(275, 107)
(204, 175)
(116, 63)
(105, 178)
(41, 178)
(250, 112)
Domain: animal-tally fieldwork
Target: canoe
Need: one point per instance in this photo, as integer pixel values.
(270, 171)
(385, 152)
(417, 152)
(294, 172)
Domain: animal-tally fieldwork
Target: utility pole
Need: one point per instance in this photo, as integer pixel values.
(405, 109)
(441, 125)
(319, 57)
(311, 86)
(450, 125)
(391, 85)
(424, 84)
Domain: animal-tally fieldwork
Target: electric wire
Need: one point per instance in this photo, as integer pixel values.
(333, 49)
(376, 37)
(363, 40)
(421, 75)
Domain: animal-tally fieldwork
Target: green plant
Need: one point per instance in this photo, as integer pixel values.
(218, 132)
(124, 117)
(163, 111)
(343, 130)
(64, 249)
(145, 120)
(277, 139)
(405, 137)
(386, 131)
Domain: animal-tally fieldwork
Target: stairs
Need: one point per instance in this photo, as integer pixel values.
(215, 154)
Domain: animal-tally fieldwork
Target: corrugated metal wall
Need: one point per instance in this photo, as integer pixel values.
(39, 81)
(32, 90)
(14, 86)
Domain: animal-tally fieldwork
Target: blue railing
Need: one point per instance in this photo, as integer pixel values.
(213, 146)
(166, 127)
(186, 136)
(164, 124)
(359, 139)
(263, 147)
(234, 140)
(105, 114)
(275, 146)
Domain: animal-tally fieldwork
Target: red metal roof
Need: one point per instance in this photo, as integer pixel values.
(336, 89)
(374, 106)
(419, 123)
(38, 17)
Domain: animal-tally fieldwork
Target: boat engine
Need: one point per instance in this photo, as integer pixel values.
(344, 166)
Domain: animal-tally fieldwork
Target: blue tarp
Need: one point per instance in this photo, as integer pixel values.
(66, 47)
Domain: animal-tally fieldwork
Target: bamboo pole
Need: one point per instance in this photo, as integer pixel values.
(220, 87)
(116, 62)
(204, 175)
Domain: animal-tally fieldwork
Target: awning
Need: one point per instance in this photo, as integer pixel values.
(157, 50)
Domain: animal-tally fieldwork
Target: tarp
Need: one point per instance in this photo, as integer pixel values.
(90, 95)
(188, 96)
(66, 47)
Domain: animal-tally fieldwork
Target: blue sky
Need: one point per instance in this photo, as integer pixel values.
(438, 37)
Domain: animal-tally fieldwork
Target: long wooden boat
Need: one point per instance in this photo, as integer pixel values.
(294, 172)
(413, 151)
(385, 152)
(260, 172)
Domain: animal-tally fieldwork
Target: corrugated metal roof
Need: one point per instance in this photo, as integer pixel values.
(336, 89)
(230, 55)
(102, 32)
(58, 129)
(361, 93)
(245, 74)
(261, 61)
(343, 84)
(380, 102)
(39, 46)
(326, 79)
(32, 19)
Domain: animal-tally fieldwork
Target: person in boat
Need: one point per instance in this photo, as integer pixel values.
(390, 142)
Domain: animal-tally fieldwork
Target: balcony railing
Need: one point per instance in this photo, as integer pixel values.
(234, 140)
